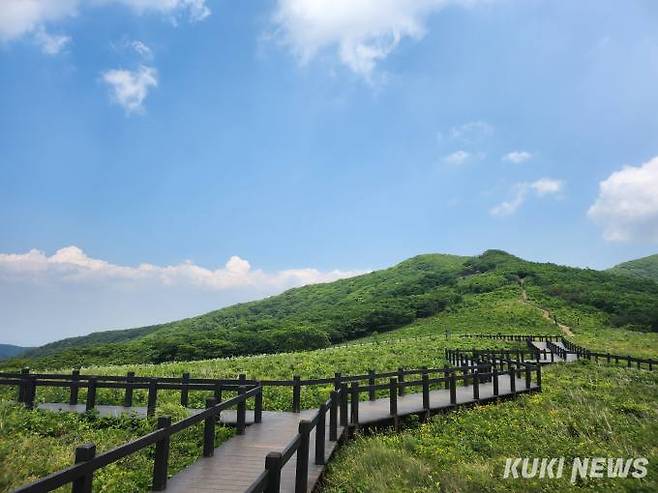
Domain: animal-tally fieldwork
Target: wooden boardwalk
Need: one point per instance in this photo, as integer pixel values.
(238, 462)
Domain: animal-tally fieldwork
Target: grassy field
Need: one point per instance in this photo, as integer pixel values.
(584, 411)
(32, 444)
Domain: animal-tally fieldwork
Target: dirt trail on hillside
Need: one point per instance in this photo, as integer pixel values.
(566, 330)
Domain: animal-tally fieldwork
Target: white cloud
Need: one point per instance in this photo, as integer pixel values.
(457, 158)
(471, 131)
(196, 10)
(20, 17)
(141, 49)
(520, 191)
(130, 88)
(517, 157)
(51, 44)
(461, 157)
(72, 265)
(28, 17)
(545, 186)
(363, 32)
(627, 205)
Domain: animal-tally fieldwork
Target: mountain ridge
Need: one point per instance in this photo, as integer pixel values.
(645, 267)
(318, 315)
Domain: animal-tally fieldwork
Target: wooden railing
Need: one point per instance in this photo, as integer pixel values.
(28, 383)
(514, 337)
(269, 481)
(584, 353)
(81, 474)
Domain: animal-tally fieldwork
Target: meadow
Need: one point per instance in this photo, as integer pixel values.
(584, 410)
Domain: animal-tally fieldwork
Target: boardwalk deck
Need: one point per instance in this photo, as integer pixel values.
(542, 346)
(239, 461)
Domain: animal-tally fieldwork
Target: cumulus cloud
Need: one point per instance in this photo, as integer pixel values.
(129, 88)
(45, 297)
(28, 17)
(72, 264)
(363, 32)
(20, 17)
(517, 157)
(520, 192)
(627, 204)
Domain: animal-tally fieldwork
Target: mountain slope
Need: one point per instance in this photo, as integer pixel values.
(646, 268)
(319, 315)
(9, 350)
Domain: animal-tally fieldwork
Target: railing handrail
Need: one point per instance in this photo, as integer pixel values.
(72, 473)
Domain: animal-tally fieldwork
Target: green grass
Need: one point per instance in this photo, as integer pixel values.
(584, 411)
(34, 444)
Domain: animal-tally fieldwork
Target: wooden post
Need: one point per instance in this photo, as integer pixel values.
(184, 391)
(528, 376)
(400, 380)
(512, 380)
(426, 391)
(91, 394)
(445, 377)
(128, 396)
(355, 403)
(296, 394)
(337, 380)
(343, 404)
(465, 375)
(23, 385)
(84, 453)
(152, 397)
(258, 405)
(453, 387)
(217, 391)
(30, 391)
(495, 380)
(209, 430)
(650, 365)
(75, 377)
(628, 359)
(273, 466)
(476, 383)
(301, 473)
(539, 377)
(371, 385)
(333, 417)
(393, 396)
(161, 463)
(241, 411)
(320, 431)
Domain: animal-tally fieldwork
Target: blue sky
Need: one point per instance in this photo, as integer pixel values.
(240, 148)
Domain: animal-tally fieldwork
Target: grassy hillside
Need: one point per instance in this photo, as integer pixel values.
(320, 315)
(583, 411)
(645, 268)
(34, 444)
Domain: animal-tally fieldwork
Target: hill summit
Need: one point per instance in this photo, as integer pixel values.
(319, 315)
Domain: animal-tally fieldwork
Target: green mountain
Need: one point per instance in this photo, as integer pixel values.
(319, 315)
(646, 268)
(10, 351)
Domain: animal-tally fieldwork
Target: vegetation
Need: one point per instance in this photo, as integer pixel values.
(646, 267)
(33, 444)
(583, 411)
(9, 350)
(414, 291)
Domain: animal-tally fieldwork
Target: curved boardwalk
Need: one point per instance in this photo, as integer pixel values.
(238, 462)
